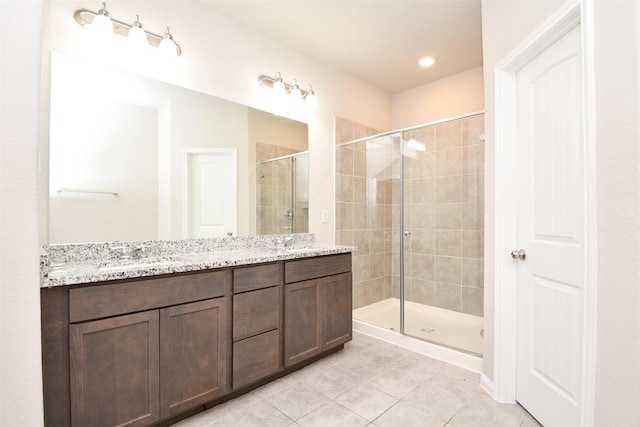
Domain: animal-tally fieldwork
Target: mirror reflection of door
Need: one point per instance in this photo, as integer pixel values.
(211, 193)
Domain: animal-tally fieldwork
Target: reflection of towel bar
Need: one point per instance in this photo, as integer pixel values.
(79, 190)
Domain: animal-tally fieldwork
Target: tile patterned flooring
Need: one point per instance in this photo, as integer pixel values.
(369, 383)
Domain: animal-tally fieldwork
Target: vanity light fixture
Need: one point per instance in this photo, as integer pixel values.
(100, 21)
(276, 83)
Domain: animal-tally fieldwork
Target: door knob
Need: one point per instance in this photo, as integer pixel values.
(519, 254)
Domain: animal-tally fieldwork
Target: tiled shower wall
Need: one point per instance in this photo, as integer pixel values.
(372, 261)
(443, 215)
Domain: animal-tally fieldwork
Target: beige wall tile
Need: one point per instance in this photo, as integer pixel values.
(472, 216)
(344, 160)
(361, 240)
(422, 291)
(422, 216)
(422, 241)
(424, 166)
(425, 135)
(376, 268)
(359, 163)
(449, 162)
(472, 244)
(448, 215)
(473, 159)
(472, 272)
(472, 301)
(448, 296)
(359, 216)
(448, 189)
(473, 188)
(423, 190)
(472, 128)
(344, 188)
(449, 135)
(448, 242)
(421, 266)
(346, 237)
(360, 268)
(448, 269)
(344, 130)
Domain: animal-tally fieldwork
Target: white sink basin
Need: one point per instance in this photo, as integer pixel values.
(124, 267)
(298, 250)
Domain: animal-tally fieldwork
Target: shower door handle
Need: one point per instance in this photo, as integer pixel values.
(519, 254)
(407, 233)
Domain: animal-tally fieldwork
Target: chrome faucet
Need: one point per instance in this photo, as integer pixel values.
(126, 252)
(282, 241)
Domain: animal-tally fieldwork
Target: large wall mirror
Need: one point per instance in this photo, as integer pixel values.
(133, 158)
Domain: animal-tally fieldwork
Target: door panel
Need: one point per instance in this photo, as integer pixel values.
(212, 194)
(551, 230)
(193, 355)
(115, 360)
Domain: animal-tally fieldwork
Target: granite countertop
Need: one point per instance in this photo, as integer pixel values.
(64, 265)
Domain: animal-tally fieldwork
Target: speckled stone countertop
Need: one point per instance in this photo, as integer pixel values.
(79, 263)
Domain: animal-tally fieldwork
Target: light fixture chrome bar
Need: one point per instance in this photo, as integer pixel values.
(84, 18)
(79, 190)
(268, 81)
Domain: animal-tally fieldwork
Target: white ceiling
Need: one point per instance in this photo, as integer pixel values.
(376, 41)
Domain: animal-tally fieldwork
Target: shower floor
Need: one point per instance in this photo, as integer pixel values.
(458, 331)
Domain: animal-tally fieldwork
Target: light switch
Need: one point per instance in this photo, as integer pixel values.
(325, 216)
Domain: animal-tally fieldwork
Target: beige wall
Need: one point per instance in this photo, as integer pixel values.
(616, 39)
(20, 362)
(617, 109)
(450, 96)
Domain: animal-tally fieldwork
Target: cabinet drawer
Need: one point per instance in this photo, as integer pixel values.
(256, 312)
(258, 277)
(93, 302)
(311, 268)
(255, 358)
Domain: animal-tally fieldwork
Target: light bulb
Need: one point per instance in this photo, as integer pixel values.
(310, 100)
(137, 37)
(278, 86)
(101, 26)
(167, 46)
(427, 61)
(295, 94)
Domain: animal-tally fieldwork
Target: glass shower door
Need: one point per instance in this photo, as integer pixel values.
(443, 233)
(369, 197)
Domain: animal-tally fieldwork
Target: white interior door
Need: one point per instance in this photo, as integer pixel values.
(211, 193)
(551, 231)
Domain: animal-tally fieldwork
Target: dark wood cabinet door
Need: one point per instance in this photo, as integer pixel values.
(303, 321)
(193, 354)
(337, 309)
(114, 371)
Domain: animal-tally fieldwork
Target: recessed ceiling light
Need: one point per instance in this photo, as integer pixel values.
(427, 61)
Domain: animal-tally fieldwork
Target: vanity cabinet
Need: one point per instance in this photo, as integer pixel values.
(317, 301)
(146, 351)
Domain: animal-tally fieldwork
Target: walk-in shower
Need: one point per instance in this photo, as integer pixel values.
(282, 194)
(412, 201)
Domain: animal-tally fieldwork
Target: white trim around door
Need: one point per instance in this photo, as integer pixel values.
(505, 356)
